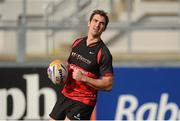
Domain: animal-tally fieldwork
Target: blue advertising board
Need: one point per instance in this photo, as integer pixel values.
(148, 93)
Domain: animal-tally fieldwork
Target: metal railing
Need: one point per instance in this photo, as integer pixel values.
(71, 23)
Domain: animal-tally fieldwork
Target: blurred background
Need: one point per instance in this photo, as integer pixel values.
(40, 30)
(143, 37)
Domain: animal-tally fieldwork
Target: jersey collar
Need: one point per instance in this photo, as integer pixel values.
(92, 44)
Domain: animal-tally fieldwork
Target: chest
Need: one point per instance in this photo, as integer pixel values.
(85, 57)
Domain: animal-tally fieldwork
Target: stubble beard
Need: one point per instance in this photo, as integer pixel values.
(96, 34)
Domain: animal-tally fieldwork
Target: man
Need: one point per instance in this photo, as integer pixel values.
(90, 69)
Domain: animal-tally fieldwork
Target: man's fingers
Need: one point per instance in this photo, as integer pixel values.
(77, 74)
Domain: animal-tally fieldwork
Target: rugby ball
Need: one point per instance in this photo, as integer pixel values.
(57, 72)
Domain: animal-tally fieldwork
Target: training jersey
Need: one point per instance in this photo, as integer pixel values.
(94, 61)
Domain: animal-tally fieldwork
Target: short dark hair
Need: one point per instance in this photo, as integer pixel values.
(101, 13)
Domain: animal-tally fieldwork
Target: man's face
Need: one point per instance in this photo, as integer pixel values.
(96, 25)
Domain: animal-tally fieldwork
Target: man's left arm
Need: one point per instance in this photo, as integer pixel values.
(104, 83)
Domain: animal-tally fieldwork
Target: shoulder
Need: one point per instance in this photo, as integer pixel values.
(105, 49)
(77, 41)
(104, 54)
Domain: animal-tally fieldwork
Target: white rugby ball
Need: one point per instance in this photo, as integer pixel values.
(57, 72)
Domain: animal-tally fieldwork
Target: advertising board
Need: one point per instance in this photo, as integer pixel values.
(26, 93)
(142, 94)
(149, 93)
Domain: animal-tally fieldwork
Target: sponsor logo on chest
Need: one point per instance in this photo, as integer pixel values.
(81, 58)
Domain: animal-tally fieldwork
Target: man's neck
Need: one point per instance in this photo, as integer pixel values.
(91, 40)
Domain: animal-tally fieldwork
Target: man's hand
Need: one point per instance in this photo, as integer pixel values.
(77, 75)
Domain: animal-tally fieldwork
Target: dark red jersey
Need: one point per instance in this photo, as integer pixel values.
(94, 61)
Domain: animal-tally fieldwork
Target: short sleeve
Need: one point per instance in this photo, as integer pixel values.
(106, 59)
